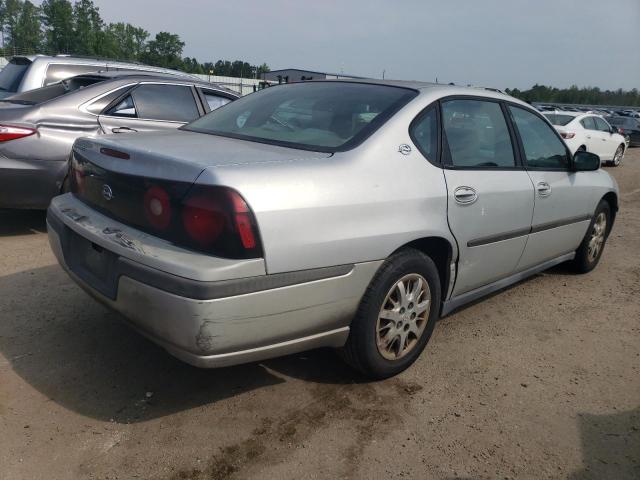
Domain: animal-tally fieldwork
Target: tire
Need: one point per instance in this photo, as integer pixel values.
(617, 157)
(409, 325)
(585, 260)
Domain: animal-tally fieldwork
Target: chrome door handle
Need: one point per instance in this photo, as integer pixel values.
(123, 130)
(465, 195)
(544, 189)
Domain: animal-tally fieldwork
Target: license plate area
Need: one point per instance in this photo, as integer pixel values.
(93, 264)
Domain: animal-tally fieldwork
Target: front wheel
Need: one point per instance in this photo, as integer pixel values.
(617, 157)
(590, 250)
(396, 316)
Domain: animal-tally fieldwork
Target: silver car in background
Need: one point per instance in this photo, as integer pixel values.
(24, 73)
(348, 214)
(38, 127)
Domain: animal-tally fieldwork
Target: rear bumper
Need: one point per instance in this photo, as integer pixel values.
(30, 183)
(243, 320)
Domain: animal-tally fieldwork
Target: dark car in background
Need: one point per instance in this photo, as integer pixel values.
(38, 127)
(628, 127)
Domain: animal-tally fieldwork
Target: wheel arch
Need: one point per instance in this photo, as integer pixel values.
(612, 199)
(440, 250)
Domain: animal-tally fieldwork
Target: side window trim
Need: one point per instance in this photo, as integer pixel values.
(437, 158)
(446, 160)
(521, 144)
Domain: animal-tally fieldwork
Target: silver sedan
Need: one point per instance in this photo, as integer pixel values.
(348, 214)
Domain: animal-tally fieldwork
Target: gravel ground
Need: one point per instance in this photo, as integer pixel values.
(539, 381)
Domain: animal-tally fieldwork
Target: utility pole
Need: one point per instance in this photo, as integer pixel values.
(383, 72)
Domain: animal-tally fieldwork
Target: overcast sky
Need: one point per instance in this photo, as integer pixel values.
(498, 43)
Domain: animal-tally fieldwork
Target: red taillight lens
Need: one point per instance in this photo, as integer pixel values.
(567, 135)
(8, 132)
(157, 207)
(621, 131)
(203, 218)
(218, 220)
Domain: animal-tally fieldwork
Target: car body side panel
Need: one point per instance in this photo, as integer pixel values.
(352, 207)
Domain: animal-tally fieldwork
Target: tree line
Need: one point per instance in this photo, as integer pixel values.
(575, 95)
(76, 28)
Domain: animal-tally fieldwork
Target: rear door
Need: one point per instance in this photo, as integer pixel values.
(608, 143)
(152, 106)
(562, 197)
(592, 136)
(490, 195)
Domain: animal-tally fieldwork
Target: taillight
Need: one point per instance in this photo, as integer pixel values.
(203, 218)
(8, 132)
(567, 135)
(621, 131)
(217, 219)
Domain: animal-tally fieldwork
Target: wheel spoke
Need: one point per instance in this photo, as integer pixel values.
(422, 307)
(402, 293)
(416, 290)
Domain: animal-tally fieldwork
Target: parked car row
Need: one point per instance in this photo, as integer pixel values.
(347, 214)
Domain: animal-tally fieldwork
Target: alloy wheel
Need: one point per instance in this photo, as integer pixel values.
(403, 316)
(617, 157)
(598, 232)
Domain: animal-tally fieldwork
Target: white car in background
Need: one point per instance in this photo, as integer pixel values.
(591, 133)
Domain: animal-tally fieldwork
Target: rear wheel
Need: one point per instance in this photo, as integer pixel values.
(590, 250)
(396, 316)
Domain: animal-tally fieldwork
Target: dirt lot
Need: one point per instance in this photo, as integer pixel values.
(539, 381)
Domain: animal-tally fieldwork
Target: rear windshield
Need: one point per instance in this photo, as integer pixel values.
(321, 116)
(44, 94)
(558, 119)
(11, 75)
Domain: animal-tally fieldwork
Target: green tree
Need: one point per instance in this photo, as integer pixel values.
(28, 29)
(124, 41)
(57, 20)
(87, 28)
(165, 50)
(11, 16)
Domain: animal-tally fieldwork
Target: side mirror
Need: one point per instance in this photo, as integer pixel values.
(585, 162)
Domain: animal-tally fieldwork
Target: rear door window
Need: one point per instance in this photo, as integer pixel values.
(424, 133)
(165, 102)
(601, 124)
(542, 147)
(124, 108)
(588, 123)
(477, 134)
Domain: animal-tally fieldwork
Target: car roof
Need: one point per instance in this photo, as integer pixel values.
(445, 88)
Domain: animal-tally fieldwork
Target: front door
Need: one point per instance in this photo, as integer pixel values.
(561, 213)
(490, 196)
